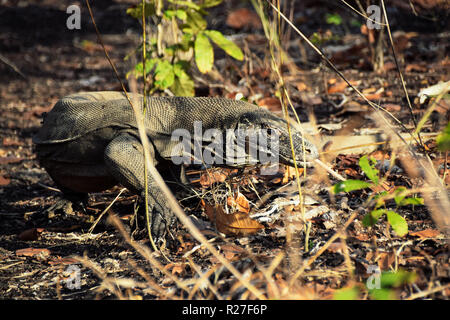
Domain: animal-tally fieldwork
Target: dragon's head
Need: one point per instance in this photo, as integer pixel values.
(273, 138)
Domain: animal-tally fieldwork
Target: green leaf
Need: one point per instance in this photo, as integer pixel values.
(333, 19)
(369, 169)
(372, 217)
(350, 185)
(211, 3)
(195, 21)
(186, 41)
(398, 223)
(204, 53)
(413, 201)
(382, 294)
(180, 14)
(186, 4)
(396, 279)
(164, 75)
(226, 45)
(399, 195)
(443, 140)
(183, 85)
(136, 12)
(380, 199)
(346, 294)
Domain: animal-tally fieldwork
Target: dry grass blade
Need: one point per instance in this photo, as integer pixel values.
(91, 229)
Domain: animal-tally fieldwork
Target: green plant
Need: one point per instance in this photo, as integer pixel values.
(443, 140)
(385, 288)
(397, 222)
(186, 38)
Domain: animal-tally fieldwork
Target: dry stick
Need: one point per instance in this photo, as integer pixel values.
(338, 234)
(91, 229)
(13, 66)
(399, 71)
(334, 68)
(144, 102)
(428, 292)
(165, 190)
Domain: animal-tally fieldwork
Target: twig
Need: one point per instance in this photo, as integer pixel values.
(428, 292)
(104, 211)
(12, 66)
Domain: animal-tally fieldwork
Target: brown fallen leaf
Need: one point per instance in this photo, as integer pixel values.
(301, 86)
(33, 252)
(340, 86)
(232, 252)
(414, 67)
(176, 268)
(425, 234)
(10, 159)
(4, 181)
(11, 142)
(237, 224)
(30, 234)
(385, 260)
(270, 103)
(211, 177)
(392, 107)
(243, 17)
(239, 202)
(62, 261)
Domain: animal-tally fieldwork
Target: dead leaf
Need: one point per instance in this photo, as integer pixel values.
(33, 252)
(210, 177)
(389, 65)
(238, 224)
(301, 86)
(176, 268)
(4, 181)
(30, 234)
(336, 247)
(62, 261)
(414, 67)
(425, 234)
(232, 252)
(340, 86)
(10, 159)
(385, 260)
(11, 142)
(392, 107)
(243, 17)
(270, 103)
(239, 202)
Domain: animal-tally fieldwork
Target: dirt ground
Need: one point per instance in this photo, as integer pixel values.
(45, 61)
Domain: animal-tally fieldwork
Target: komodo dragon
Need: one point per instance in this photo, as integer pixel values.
(89, 141)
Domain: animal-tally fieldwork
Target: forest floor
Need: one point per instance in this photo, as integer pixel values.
(39, 255)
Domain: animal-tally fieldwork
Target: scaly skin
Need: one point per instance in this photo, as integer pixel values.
(89, 141)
